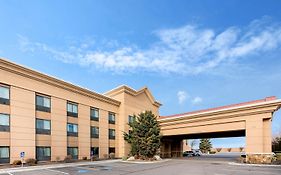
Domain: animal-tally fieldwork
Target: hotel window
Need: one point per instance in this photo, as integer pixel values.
(4, 95)
(43, 126)
(111, 150)
(73, 151)
(95, 114)
(131, 119)
(43, 103)
(111, 118)
(72, 129)
(4, 122)
(111, 134)
(4, 154)
(72, 109)
(43, 153)
(94, 132)
(95, 152)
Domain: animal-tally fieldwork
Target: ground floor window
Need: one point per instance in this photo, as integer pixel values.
(73, 151)
(4, 154)
(95, 152)
(43, 153)
(111, 150)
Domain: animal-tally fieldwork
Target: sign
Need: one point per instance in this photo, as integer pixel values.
(22, 154)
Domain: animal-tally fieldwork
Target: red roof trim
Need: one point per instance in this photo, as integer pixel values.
(222, 107)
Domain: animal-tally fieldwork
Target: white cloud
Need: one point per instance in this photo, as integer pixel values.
(182, 96)
(185, 50)
(197, 100)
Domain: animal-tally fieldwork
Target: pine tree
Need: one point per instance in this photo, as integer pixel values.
(144, 135)
(205, 145)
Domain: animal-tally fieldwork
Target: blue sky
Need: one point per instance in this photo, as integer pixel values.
(191, 54)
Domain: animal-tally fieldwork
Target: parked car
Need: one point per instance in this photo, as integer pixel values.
(188, 154)
(197, 152)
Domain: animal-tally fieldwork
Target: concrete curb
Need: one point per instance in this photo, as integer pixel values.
(63, 165)
(255, 165)
(140, 162)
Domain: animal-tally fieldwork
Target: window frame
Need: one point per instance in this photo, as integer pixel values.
(94, 135)
(71, 113)
(93, 117)
(111, 137)
(110, 121)
(73, 156)
(40, 107)
(43, 158)
(72, 133)
(43, 130)
(5, 128)
(6, 159)
(5, 101)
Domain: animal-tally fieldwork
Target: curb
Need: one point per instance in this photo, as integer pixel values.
(140, 162)
(255, 165)
(41, 167)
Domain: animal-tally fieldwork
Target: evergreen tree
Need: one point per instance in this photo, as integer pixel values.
(144, 135)
(205, 145)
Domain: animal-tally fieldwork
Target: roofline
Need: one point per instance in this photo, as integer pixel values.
(132, 91)
(35, 75)
(214, 110)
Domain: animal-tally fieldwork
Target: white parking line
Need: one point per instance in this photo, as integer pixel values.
(57, 171)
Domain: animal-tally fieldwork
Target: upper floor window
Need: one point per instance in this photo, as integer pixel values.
(94, 132)
(72, 129)
(111, 118)
(131, 119)
(43, 126)
(111, 133)
(4, 122)
(72, 109)
(95, 114)
(43, 103)
(4, 95)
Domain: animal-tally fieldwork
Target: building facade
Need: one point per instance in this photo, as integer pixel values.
(48, 118)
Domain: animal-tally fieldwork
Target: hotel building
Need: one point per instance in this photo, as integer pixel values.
(48, 118)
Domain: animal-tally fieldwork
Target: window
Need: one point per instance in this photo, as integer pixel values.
(111, 118)
(72, 129)
(72, 109)
(4, 95)
(94, 132)
(95, 152)
(43, 153)
(43, 103)
(111, 134)
(73, 151)
(111, 150)
(4, 154)
(43, 126)
(131, 119)
(4, 122)
(95, 114)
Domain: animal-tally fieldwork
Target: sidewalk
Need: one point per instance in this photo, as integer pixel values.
(62, 165)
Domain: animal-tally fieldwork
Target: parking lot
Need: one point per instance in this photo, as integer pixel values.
(192, 166)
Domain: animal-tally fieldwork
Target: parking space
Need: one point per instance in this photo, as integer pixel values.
(173, 166)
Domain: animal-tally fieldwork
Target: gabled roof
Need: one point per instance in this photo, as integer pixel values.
(221, 108)
(133, 92)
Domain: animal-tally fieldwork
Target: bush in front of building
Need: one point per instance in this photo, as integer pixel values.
(17, 162)
(112, 155)
(68, 159)
(31, 161)
(144, 136)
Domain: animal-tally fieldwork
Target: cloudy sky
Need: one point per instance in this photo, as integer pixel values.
(191, 54)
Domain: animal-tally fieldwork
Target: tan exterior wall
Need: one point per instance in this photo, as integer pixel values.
(25, 84)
